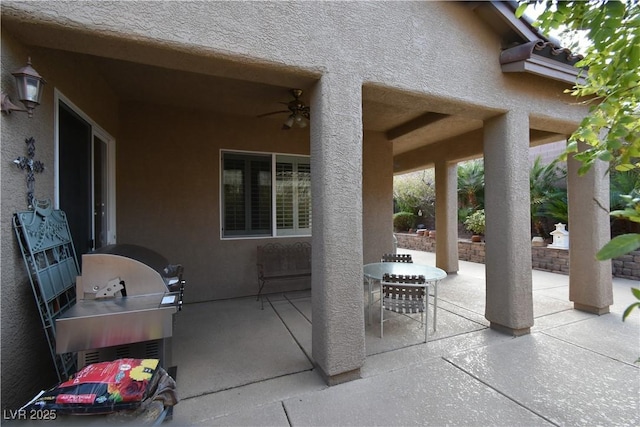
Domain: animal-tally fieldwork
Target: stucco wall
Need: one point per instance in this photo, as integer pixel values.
(434, 53)
(22, 338)
(406, 45)
(377, 197)
(26, 362)
(168, 192)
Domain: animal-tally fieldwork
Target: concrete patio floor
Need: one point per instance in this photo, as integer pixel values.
(242, 366)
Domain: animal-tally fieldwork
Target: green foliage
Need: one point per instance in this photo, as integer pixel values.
(611, 87)
(627, 312)
(471, 185)
(625, 243)
(612, 82)
(622, 184)
(619, 246)
(415, 192)
(463, 213)
(547, 198)
(476, 222)
(403, 221)
(557, 208)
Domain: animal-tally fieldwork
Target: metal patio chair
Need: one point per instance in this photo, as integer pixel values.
(405, 295)
(386, 258)
(396, 258)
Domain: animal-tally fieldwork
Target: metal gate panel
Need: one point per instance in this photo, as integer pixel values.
(47, 249)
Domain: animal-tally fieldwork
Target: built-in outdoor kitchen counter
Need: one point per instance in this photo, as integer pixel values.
(127, 296)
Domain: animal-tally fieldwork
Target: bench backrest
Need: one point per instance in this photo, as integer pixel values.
(275, 259)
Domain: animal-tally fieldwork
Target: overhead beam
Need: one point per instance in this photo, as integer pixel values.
(415, 124)
(456, 148)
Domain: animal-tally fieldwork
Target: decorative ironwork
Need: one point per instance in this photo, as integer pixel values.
(32, 166)
(50, 258)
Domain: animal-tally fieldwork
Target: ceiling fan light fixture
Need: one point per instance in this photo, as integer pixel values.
(300, 120)
(297, 109)
(289, 123)
(295, 120)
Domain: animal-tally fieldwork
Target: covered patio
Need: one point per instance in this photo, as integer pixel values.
(255, 367)
(171, 101)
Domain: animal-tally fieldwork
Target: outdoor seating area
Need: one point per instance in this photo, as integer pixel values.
(254, 367)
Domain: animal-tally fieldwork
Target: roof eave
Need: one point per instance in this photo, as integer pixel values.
(522, 27)
(545, 67)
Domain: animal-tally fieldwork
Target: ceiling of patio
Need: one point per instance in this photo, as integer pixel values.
(407, 119)
(411, 121)
(166, 75)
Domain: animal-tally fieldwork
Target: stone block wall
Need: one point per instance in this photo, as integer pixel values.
(542, 258)
(471, 251)
(550, 259)
(627, 266)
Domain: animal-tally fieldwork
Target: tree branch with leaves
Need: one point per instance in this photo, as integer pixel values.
(610, 85)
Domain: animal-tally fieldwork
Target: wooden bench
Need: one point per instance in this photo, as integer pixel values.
(277, 262)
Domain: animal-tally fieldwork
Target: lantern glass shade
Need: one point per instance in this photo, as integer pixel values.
(29, 84)
(289, 123)
(29, 89)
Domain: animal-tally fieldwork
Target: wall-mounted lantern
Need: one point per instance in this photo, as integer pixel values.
(29, 84)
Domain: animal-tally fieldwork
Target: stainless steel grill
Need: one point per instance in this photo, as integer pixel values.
(126, 295)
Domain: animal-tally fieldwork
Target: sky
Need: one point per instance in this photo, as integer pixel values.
(581, 42)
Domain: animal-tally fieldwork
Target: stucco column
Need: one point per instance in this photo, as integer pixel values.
(446, 216)
(336, 187)
(509, 302)
(590, 283)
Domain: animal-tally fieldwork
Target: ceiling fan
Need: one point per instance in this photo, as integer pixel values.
(297, 110)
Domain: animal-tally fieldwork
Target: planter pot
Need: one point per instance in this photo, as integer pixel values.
(537, 241)
(476, 238)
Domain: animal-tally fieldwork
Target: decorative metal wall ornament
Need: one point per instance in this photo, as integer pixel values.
(32, 166)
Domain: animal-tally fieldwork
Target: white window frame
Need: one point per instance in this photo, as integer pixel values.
(275, 232)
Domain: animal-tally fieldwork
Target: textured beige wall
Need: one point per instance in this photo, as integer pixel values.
(168, 192)
(438, 52)
(377, 197)
(405, 45)
(24, 346)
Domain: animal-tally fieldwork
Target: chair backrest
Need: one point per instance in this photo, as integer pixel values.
(275, 259)
(403, 293)
(396, 258)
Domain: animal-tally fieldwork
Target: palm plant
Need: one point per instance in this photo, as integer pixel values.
(547, 198)
(471, 185)
(557, 207)
(623, 183)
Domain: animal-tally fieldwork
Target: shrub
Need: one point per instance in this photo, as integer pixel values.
(475, 222)
(415, 192)
(403, 221)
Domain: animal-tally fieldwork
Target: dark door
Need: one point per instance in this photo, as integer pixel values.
(100, 193)
(74, 176)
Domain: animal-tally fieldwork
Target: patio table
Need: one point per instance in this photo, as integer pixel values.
(374, 272)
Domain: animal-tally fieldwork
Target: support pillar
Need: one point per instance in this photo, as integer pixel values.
(590, 282)
(446, 216)
(509, 300)
(338, 336)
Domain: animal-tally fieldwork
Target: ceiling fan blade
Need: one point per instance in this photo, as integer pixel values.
(273, 112)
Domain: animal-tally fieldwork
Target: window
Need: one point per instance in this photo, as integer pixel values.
(265, 195)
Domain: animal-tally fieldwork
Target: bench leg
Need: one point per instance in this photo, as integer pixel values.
(261, 284)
